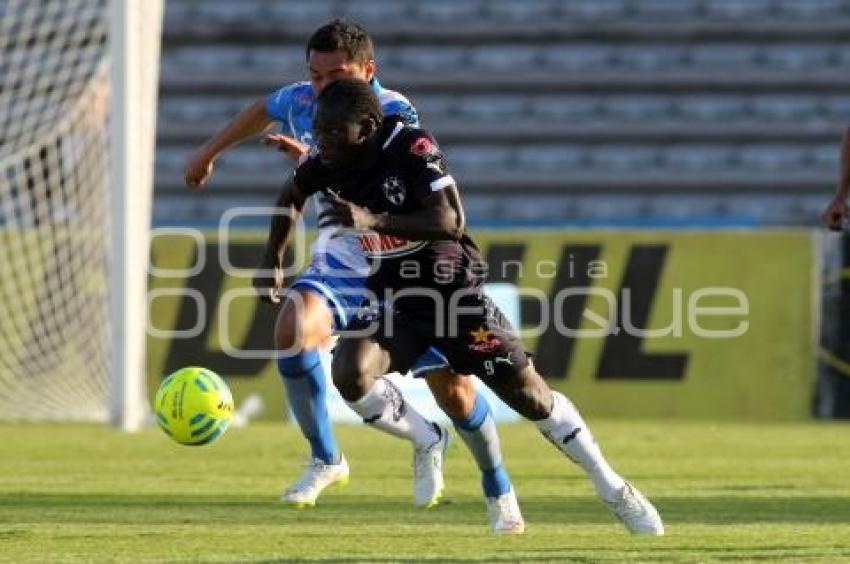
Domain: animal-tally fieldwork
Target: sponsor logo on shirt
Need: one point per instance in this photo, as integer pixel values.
(386, 246)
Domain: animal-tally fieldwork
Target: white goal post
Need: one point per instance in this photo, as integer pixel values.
(135, 31)
(78, 83)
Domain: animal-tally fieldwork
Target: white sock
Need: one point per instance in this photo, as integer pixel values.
(384, 407)
(566, 429)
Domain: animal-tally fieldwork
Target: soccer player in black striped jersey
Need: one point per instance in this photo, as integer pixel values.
(390, 182)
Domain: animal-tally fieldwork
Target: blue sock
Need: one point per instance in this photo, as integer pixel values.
(478, 431)
(306, 388)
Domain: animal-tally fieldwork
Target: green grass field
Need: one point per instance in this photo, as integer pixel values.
(726, 491)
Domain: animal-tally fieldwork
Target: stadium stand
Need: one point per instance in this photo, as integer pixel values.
(595, 111)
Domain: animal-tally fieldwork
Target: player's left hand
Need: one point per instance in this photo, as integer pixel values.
(268, 280)
(290, 146)
(352, 215)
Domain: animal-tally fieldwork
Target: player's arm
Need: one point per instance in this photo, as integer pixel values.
(251, 121)
(289, 205)
(836, 214)
(269, 278)
(441, 218)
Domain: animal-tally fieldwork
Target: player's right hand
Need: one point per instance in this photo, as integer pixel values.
(836, 214)
(198, 169)
(268, 280)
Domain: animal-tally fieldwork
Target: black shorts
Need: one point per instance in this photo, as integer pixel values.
(475, 337)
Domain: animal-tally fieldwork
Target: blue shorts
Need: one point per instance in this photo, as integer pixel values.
(345, 296)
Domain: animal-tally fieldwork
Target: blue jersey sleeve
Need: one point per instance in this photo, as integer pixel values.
(404, 110)
(279, 104)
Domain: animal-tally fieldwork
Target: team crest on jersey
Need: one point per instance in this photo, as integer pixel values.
(483, 341)
(423, 147)
(394, 190)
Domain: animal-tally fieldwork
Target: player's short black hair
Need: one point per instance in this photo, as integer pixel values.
(342, 35)
(354, 97)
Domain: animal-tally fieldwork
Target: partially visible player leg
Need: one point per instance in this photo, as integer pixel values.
(497, 353)
(303, 323)
(560, 422)
(358, 365)
(473, 421)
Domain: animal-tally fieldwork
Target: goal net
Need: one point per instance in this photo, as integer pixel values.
(77, 98)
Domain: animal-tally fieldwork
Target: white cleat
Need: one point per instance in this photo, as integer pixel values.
(504, 514)
(636, 512)
(316, 478)
(428, 472)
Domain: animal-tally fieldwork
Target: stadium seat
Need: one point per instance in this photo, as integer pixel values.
(506, 59)
(716, 57)
(278, 59)
(697, 157)
(841, 55)
(654, 58)
(528, 209)
(811, 9)
(435, 106)
(377, 12)
(206, 58)
(433, 59)
(177, 13)
(771, 157)
(711, 108)
(737, 9)
(784, 108)
(467, 158)
(551, 158)
(171, 159)
(825, 156)
(594, 9)
(226, 12)
(254, 158)
(568, 108)
(448, 10)
(314, 12)
(623, 158)
(608, 207)
(683, 206)
(513, 11)
(580, 57)
(190, 111)
(800, 57)
(665, 9)
(636, 108)
(487, 107)
(838, 109)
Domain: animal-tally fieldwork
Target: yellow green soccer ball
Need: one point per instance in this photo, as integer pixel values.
(193, 406)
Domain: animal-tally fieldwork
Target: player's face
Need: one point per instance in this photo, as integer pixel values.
(341, 141)
(327, 67)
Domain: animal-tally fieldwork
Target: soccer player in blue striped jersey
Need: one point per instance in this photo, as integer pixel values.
(342, 49)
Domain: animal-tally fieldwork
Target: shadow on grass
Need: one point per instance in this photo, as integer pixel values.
(384, 510)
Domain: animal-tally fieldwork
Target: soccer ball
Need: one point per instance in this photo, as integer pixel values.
(193, 406)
